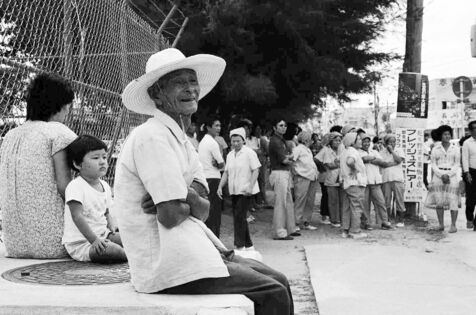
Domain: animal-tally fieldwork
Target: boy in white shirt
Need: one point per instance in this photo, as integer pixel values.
(90, 233)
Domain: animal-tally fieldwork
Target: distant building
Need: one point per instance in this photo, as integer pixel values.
(446, 107)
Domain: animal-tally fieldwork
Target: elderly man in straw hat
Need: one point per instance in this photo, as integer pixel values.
(170, 249)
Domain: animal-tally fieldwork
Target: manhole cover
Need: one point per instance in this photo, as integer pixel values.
(69, 273)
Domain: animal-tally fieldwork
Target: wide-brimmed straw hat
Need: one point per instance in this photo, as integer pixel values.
(209, 69)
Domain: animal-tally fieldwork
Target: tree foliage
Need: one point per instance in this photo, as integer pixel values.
(282, 56)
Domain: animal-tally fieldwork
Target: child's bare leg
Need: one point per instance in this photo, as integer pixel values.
(116, 238)
(113, 253)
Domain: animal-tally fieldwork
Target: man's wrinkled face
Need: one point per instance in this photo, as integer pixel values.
(177, 92)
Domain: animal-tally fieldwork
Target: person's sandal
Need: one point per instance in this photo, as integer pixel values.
(286, 238)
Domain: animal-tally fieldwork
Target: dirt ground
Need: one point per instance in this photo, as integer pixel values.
(289, 257)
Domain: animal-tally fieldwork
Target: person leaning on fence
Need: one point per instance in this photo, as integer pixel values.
(373, 190)
(305, 181)
(169, 248)
(443, 193)
(90, 231)
(212, 161)
(354, 180)
(241, 175)
(32, 164)
(392, 178)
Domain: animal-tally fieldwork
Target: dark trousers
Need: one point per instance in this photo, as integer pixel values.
(214, 218)
(471, 197)
(241, 205)
(324, 201)
(267, 288)
(425, 174)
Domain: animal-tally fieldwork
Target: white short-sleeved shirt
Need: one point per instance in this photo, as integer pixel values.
(239, 166)
(209, 150)
(347, 179)
(95, 203)
(392, 173)
(304, 163)
(374, 177)
(157, 158)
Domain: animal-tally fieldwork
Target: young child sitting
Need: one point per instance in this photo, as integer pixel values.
(90, 233)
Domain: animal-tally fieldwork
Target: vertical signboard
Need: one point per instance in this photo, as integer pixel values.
(412, 102)
(410, 142)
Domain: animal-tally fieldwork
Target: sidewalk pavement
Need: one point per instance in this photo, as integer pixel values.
(20, 298)
(361, 278)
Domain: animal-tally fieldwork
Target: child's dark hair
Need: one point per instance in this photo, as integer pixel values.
(83, 144)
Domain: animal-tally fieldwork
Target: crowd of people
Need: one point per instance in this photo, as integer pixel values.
(174, 175)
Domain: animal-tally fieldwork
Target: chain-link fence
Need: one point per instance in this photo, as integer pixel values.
(100, 45)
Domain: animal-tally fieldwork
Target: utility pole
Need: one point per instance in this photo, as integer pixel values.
(414, 25)
(412, 62)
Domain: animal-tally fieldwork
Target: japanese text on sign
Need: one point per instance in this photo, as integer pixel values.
(410, 142)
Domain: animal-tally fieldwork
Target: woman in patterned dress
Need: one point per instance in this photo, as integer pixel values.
(444, 187)
(35, 173)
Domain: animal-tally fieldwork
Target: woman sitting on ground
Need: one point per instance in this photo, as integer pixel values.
(35, 172)
(443, 192)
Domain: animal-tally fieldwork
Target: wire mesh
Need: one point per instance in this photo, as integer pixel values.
(100, 45)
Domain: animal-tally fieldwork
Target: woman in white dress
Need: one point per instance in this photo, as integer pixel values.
(443, 191)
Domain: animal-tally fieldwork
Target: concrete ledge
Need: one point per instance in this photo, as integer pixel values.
(19, 298)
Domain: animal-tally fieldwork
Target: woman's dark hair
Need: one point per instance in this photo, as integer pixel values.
(336, 128)
(442, 129)
(291, 131)
(81, 146)
(47, 94)
(276, 121)
(471, 125)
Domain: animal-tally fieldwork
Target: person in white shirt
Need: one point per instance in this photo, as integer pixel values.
(169, 248)
(469, 171)
(241, 175)
(354, 180)
(192, 135)
(90, 232)
(305, 181)
(443, 193)
(373, 190)
(392, 178)
(212, 162)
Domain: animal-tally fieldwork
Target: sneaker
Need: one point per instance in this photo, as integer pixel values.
(295, 234)
(309, 227)
(345, 234)
(337, 225)
(250, 219)
(253, 209)
(400, 224)
(298, 229)
(469, 225)
(357, 236)
(325, 220)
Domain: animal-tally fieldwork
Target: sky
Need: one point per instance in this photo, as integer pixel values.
(446, 50)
